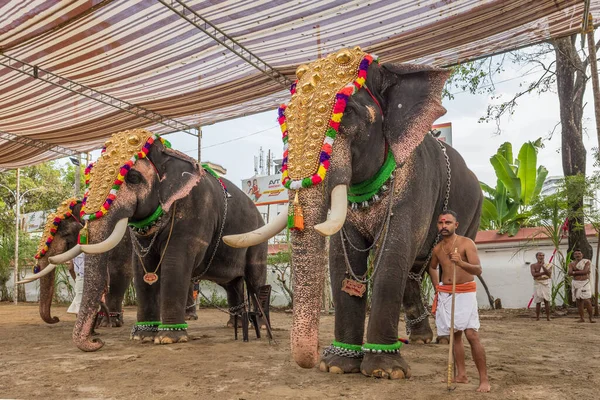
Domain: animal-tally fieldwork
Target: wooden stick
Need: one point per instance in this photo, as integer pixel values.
(451, 347)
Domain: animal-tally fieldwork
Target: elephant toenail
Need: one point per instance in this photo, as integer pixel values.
(336, 370)
(323, 367)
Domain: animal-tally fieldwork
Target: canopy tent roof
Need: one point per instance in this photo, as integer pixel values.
(73, 72)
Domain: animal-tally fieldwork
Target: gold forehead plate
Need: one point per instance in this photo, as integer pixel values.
(310, 109)
(120, 148)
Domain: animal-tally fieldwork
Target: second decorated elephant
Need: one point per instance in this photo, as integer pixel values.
(181, 211)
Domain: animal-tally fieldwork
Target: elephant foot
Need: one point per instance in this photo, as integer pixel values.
(443, 340)
(421, 333)
(231, 322)
(335, 364)
(169, 337)
(191, 316)
(143, 333)
(115, 320)
(389, 366)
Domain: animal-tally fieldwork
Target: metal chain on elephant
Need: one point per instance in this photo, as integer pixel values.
(419, 277)
(384, 229)
(142, 251)
(212, 257)
(231, 311)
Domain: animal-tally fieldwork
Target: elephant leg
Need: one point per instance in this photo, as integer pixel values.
(417, 318)
(350, 311)
(256, 272)
(175, 276)
(118, 283)
(235, 297)
(148, 299)
(387, 294)
(190, 305)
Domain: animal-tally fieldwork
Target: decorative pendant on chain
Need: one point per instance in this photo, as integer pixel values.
(353, 288)
(150, 278)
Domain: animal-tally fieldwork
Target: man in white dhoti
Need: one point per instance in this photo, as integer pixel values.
(455, 251)
(78, 266)
(541, 285)
(581, 285)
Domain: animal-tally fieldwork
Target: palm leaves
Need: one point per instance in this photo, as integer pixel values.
(519, 183)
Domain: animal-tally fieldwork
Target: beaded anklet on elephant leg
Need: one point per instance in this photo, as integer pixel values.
(145, 326)
(172, 327)
(382, 348)
(343, 350)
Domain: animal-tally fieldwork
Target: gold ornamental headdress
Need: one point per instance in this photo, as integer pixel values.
(64, 210)
(311, 120)
(104, 177)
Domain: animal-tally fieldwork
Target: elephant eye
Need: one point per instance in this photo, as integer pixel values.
(134, 177)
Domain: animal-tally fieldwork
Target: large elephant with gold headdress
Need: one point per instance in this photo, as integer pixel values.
(56, 246)
(177, 213)
(363, 170)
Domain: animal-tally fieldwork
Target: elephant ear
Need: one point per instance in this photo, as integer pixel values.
(413, 95)
(178, 173)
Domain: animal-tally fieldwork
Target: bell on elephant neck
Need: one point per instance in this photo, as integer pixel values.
(296, 216)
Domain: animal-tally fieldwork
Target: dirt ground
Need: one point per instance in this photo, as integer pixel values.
(526, 360)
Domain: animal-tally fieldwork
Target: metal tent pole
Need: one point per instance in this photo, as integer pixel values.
(16, 271)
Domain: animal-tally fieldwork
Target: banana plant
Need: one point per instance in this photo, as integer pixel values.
(519, 183)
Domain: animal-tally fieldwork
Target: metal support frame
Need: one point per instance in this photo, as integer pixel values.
(64, 83)
(39, 144)
(185, 12)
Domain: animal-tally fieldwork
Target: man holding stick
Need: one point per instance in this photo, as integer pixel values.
(541, 285)
(581, 286)
(458, 257)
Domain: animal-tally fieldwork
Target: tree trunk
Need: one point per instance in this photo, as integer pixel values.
(571, 80)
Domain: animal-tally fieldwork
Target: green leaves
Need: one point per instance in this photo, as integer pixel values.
(520, 181)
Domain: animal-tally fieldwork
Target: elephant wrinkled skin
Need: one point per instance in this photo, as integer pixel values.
(395, 111)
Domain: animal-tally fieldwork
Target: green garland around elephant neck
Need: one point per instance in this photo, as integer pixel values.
(365, 191)
(146, 222)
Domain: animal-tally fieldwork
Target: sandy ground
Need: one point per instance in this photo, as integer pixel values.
(526, 360)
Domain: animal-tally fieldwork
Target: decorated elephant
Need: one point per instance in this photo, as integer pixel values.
(60, 236)
(356, 143)
(180, 212)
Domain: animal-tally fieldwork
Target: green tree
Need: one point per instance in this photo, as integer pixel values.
(563, 63)
(506, 207)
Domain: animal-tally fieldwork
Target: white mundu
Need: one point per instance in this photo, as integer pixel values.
(466, 315)
(541, 290)
(79, 267)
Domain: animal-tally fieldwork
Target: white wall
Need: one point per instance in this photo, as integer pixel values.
(509, 277)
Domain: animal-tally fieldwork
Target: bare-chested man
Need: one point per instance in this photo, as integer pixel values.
(581, 287)
(455, 251)
(541, 285)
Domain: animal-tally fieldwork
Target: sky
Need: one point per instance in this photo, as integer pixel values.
(234, 143)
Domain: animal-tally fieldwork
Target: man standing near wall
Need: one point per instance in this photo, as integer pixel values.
(541, 285)
(581, 285)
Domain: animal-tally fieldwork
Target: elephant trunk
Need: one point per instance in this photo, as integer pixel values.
(94, 282)
(46, 295)
(309, 258)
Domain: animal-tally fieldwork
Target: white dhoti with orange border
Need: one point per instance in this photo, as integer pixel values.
(466, 313)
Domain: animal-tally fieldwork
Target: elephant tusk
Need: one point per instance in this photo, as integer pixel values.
(259, 235)
(66, 256)
(110, 242)
(34, 277)
(339, 208)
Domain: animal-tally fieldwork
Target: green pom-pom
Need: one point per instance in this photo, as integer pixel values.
(306, 182)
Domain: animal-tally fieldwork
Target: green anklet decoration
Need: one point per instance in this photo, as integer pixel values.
(369, 190)
(148, 323)
(146, 222)
(353, 347)
(172, 327)
(382, 348)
